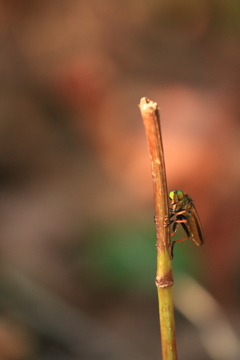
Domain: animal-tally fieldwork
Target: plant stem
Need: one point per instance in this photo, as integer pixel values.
(164, 278)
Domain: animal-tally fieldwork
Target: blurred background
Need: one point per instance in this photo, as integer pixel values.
(77, 237)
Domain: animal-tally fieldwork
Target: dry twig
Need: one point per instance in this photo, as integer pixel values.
(164, 278)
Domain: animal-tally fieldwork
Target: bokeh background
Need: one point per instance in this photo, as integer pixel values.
(77, 254)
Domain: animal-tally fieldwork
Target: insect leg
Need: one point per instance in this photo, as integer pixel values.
(175, 226)
(176, 241)
(181, 212)
(168, 220)
(180, 220)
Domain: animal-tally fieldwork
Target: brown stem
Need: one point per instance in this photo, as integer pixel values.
(164, 278)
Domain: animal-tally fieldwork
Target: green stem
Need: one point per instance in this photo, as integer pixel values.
(164, 278)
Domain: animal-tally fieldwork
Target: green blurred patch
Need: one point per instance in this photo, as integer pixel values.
(123, 256)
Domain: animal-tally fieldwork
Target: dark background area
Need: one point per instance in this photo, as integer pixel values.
(77, 237)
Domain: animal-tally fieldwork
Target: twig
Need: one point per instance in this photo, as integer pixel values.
(164, 278)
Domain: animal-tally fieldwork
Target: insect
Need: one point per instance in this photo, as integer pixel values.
(185, 214)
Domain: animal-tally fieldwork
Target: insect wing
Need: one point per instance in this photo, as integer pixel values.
(194, 227)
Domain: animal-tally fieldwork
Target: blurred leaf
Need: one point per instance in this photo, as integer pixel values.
(124, 256)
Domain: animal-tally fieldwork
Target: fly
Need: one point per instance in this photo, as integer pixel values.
(185, 214)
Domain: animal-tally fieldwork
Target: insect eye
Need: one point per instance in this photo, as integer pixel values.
(171, 194)
(180, 194)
